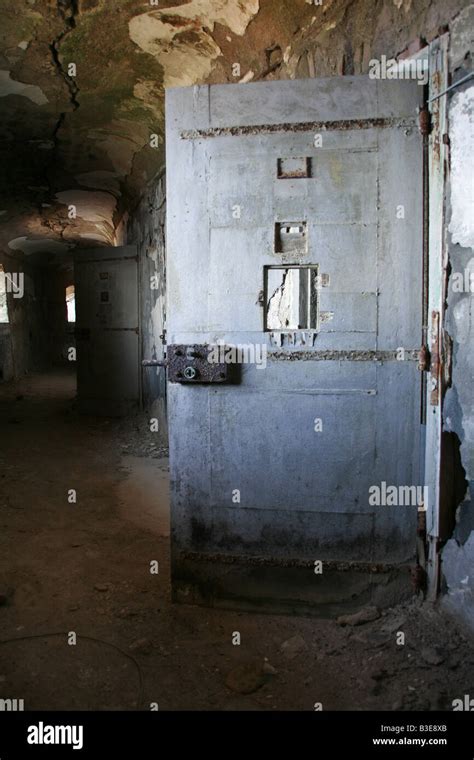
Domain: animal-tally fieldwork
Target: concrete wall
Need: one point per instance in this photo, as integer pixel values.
(146, 230)
(458, 553)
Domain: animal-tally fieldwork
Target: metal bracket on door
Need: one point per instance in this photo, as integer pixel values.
(430, 360)
(192, 364)
(435, 362)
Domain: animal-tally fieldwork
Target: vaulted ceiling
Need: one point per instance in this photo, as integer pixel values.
(82, 90)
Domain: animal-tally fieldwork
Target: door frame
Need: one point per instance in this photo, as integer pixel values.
(434, 297)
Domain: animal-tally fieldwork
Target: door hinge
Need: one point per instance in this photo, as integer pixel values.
(424, 120)
(447, 350)
(435, 360)
(424, 359)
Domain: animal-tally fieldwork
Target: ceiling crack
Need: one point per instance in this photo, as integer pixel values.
(68, 11)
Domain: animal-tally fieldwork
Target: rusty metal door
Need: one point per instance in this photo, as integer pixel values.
(295, 228)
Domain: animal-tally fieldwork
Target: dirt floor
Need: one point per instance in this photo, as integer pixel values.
(84, 568)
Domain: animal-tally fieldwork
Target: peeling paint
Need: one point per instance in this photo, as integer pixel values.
(185, 59)
(180, 37)
(458, 570)
(458, 415)
(190, 42)
(461, 225)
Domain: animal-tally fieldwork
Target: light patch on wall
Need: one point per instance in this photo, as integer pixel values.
(461, 119)
(38, 245)
(71, 303)
(91, 206)
(179, 38)
(9, 86)
(4, 319)
(461, 312)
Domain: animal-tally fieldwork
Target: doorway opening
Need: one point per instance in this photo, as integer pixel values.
(4, 318)
(70, 303)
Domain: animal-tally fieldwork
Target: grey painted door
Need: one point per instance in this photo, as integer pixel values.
(294, 225)
(107, 330)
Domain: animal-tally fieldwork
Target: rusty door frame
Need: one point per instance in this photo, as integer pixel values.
(435, 279)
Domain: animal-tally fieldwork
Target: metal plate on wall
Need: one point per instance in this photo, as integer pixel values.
(193, 364)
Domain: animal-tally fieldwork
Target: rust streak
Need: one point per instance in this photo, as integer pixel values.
(239, 559)
(410, 354)
(304, 126)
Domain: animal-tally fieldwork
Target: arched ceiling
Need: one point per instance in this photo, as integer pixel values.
(82, 89)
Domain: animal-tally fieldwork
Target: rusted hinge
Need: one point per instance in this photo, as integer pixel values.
(447, 361)
(424, 121)
(424, 359)
(435, 362)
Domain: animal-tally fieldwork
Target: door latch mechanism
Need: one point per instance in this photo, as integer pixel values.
(191, 364)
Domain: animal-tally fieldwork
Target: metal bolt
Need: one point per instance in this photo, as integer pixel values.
(190, 373)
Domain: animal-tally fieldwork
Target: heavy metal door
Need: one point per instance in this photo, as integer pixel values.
(295, 245)
(107, 330)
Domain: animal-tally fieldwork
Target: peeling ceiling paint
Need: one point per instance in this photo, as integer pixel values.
(180, 36)
(61, 134)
